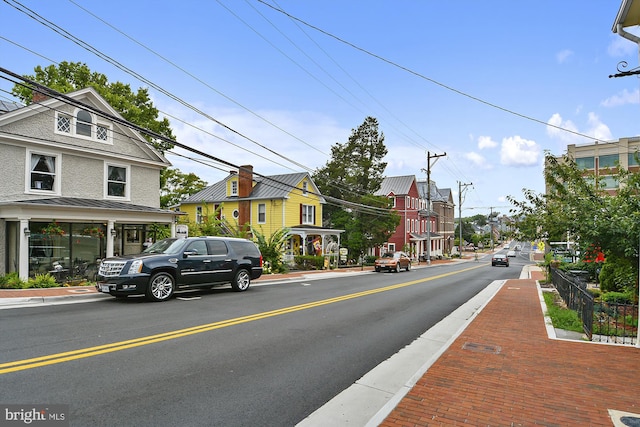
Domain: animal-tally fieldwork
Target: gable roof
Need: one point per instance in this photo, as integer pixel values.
(91, 98)
(398, 185)
(437, 194)
(266, 187)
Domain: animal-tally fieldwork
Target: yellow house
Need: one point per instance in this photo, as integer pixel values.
(268, 204)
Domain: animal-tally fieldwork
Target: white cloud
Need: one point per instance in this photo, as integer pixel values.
(555, 130)
(597, 129)
(486, 142)
(622, 98)
(477, 160)
(517, 151)
(563, 56)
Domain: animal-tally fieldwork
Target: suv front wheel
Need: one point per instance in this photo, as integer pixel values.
(160, 287)
(241, 281)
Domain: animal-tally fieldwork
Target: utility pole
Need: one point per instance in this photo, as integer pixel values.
(429, 157)
(460, 185)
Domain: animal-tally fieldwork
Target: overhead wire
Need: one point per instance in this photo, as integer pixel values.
(267, 180)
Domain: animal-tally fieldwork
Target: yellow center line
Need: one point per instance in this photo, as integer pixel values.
(20, 365)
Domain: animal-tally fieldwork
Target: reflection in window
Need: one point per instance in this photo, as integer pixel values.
(116, 181)
(585, 163)
(43, 172)
(83, 123)
(608, 161)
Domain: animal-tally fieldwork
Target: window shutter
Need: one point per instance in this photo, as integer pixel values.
(314, 215)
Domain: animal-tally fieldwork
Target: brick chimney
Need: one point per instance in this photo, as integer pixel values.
(38, 96)
(245, 185)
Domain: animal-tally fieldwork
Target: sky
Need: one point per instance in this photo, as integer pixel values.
(489, 85)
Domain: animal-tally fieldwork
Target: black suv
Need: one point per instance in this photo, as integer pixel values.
(178, 263)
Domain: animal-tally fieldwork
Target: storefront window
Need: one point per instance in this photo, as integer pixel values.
(67, 251)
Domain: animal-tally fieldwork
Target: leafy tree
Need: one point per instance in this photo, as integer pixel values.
(577, 206)
(354, 174)
(467, 230)
(134, 107)
(175, 186)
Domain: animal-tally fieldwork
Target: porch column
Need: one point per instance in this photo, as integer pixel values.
(110, 237)
(23, 255)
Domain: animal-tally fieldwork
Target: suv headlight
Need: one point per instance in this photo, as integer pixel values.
(135, 267)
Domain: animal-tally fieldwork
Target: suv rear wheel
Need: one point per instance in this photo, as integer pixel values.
(160, 287)
(241, 281)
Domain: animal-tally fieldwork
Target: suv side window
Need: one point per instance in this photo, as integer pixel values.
(245, 248)
(217, 247)
(199, 247)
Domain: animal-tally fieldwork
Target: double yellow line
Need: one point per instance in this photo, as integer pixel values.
(21, 365)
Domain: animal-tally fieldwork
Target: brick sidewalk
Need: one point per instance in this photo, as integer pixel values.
(503, 370)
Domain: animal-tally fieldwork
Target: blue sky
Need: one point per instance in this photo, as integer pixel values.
(477, 80)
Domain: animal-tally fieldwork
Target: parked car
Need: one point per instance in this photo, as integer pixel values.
(511, 253)
(499, 259)
(507, 246)
(393, 262)
(177, 263)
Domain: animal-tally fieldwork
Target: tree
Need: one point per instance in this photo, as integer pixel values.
(576, 206)
(134, 107)
(354, 174)
(175, 186)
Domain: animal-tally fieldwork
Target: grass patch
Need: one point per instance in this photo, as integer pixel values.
(561, 317)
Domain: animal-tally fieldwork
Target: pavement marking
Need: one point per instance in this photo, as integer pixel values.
(52, 359)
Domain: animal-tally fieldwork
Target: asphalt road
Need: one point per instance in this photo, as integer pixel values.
(266, 357)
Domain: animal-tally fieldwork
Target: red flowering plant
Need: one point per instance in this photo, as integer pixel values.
(54, 229)
(93, 232)
(594, 254)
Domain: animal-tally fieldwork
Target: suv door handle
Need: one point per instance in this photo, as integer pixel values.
(206, 260)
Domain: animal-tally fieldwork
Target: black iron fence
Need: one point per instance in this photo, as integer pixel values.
(601, 321)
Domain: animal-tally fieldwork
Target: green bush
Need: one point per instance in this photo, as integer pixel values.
(617, 298)
(42, 281)
(617, 275)
(370, 259)
(12, 281)
(309, 262)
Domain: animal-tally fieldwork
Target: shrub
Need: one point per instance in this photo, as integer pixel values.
(617, 298)
(309, 262)
(370, 259)
(12, 281)
(42, 281)
(617, 275)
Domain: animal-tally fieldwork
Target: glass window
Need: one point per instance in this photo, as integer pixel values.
(608, 182)
(198, 214)
(64, 124)
(585, 163)
(633, 161)
(217, 247)
(608, 161)
(199, 247)
(262, 213)
(43, 172)
(305, 188)
(308, 212)
(83, 123)
(101, 133)
(234, 188)
(116, 181)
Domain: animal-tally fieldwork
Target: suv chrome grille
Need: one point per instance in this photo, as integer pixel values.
(111, 268)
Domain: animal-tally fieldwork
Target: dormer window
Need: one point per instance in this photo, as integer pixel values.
(84, 125)
(234, 188)
(305, 188)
